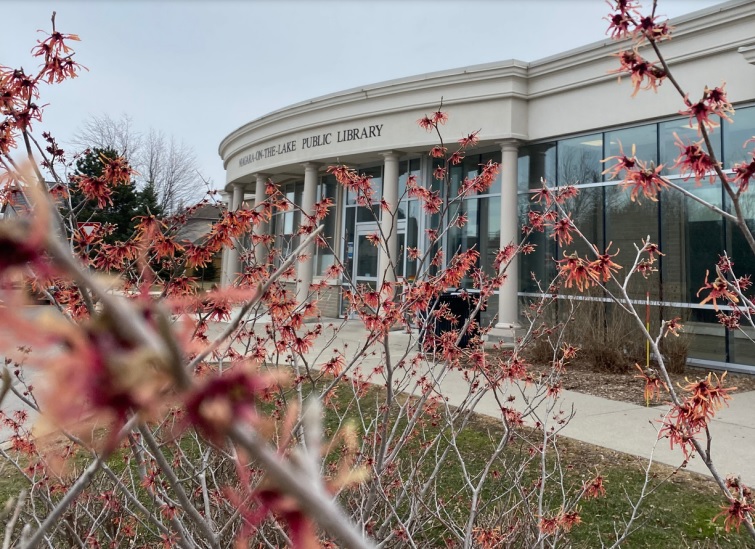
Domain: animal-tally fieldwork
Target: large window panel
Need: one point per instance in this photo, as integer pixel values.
(287, 223)
(736, 245)
(538, 266)
(736, 134)
(369, 213)
(669, 150)
(741, 348)
(495, 188)
(704, 237)
(348, 241)
(579, 160)
(407, 168)
(707, 338)
(627, 224)
(482, 232)
(536, 162)
(587, 215)
(643, 140)
(325, 256)
(674, 245)
(412, 237)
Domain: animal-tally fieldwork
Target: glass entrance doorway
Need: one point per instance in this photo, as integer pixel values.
(365, 265)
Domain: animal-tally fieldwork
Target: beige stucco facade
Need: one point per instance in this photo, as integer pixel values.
(512, 103)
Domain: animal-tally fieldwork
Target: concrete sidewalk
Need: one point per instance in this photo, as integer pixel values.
(611, 424)
(602, 422)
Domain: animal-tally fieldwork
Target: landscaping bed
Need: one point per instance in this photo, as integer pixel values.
(628, 387)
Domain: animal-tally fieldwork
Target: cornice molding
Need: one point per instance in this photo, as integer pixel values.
(748, 52)
(367, 113)
(411, 93)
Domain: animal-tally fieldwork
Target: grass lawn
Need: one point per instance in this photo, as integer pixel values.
(677, 514)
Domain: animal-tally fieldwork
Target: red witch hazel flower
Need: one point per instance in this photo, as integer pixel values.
(693, 160)
(438, 152)
(469, 140)
(223, 399)
(439, 117)
(719, 289)
(594, 488)
(543, 194)
(623, 162)
(713, 103)
(653, 383)
(743, 172)
(562, 231)
(604, 266)
(738, 511)
(643, 73)
(577, 272)
(619, 24)
(645, 180)
(426, 123)
(648, 28)
(621, 18)
(706, 398)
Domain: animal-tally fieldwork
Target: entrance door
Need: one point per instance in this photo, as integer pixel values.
(366, 254)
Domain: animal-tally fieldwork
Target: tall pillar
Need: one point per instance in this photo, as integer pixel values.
(260, 250)
(305, 269)
(232, 264)
(508, 298)
(225, 198)
(388, 260)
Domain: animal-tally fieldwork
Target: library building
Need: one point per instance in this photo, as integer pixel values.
(555, 119)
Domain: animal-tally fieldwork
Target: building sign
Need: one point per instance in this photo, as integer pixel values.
(313, 141)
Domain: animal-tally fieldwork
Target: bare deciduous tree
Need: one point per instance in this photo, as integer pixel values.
(170, 165)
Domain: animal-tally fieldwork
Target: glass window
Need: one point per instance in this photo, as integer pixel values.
(412, 237)
(325, 256)
(348, 241)
(673, 244)
(587, 214)
(736, 134)
(455, 177)
(482, 232)
(736, 244)
(579, 160)
(707, 339)
(536, 162)
(287, 223)
(643, 139)
(470, 168)
(370, 213)
(669, 150)
(692, 238)
(627, 224)
(407, 168)
(704, 238)
(495, 188)
(409, 210)
(537, 266)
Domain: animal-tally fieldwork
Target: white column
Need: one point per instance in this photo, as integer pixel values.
(305, 268)
(388, 260)
(260, 250)
(232, 266)
(508, 299)
(225, 198)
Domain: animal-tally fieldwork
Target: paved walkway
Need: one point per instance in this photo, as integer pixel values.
(611, 424)
(607, 423)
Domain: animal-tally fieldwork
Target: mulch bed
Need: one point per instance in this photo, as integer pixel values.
(627, 387)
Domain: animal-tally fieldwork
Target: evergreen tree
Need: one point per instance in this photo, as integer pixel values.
(149, 201)
(127, 201)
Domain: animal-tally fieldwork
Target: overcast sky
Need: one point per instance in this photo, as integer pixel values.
(199, 69)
